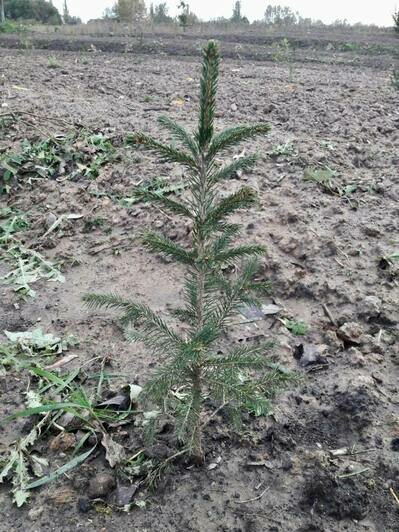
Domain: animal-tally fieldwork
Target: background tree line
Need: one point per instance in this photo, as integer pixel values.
(131, 11)
(35, 10)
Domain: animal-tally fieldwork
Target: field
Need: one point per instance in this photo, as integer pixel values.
(328, 184)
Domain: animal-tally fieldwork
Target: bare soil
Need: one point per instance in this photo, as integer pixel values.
(323, 250)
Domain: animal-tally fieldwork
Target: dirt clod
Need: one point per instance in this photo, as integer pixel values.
(342, 500)
(101, 486)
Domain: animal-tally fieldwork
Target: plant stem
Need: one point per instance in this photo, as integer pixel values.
(197, 372)
(197, 452)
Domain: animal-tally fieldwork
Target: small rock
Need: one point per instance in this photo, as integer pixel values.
(378, 358)
(50, 220)
(371, 345)
(101, 485)
(309, 355)
(395, 445)
(332, 339)
(234, 107)
(378, 377)
(372, 231)
(371, 306)
(356, 358)
(62, 496)
(159, 451)
(63, 442)
(215, 464)
(35, 513)
(83, 505)
(351, 332)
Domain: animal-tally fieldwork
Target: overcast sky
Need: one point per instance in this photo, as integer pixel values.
(366, 11)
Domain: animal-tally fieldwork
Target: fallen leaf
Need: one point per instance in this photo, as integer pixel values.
(62, 362)
(135, 391)
(125, 494)
(114, 452)
(121, 401)
(269, 310)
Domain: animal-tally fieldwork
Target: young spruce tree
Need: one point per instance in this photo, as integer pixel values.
(244, 379)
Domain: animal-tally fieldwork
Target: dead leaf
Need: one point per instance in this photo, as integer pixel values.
(135, 391)
(114, 452)
(62, 362)
(121, 401)
(269, 310)
(125, 494)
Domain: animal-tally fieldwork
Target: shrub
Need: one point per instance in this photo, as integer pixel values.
(8, 26)
(193, 363)
(284, 53)
(39, 10)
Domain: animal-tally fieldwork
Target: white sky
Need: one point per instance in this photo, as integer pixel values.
(366, 11)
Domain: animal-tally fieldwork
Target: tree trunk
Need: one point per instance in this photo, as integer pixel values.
(2, 13)
(197, 452)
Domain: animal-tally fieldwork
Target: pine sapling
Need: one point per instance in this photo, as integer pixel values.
(191, 362)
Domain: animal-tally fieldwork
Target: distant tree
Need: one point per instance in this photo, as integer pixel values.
(129, 10)
(39, 10)
(159, 13)
(2, 12)
(395, 17)
(109, 13)
(237, 18)
(236, 13)
(280, 15)
(186, 17)
(67, 17)
(183, 15)
(65, 12)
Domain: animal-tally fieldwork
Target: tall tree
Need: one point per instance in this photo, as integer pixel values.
(159, 13)
(236, 13)
(130, 10)
(66, 12)
(39, 10)
(2, 12)
(237, 17)
(186, 17)
(280, 15)
(184, 14)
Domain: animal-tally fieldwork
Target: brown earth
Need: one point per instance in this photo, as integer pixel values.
(322, 250)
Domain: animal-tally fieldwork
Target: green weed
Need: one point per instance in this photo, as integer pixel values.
(284, 150)
(52, 62)
(283, 52)
(297, 328)
(159, 185)
(325, 178)
(74, 155)
(28, 266)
